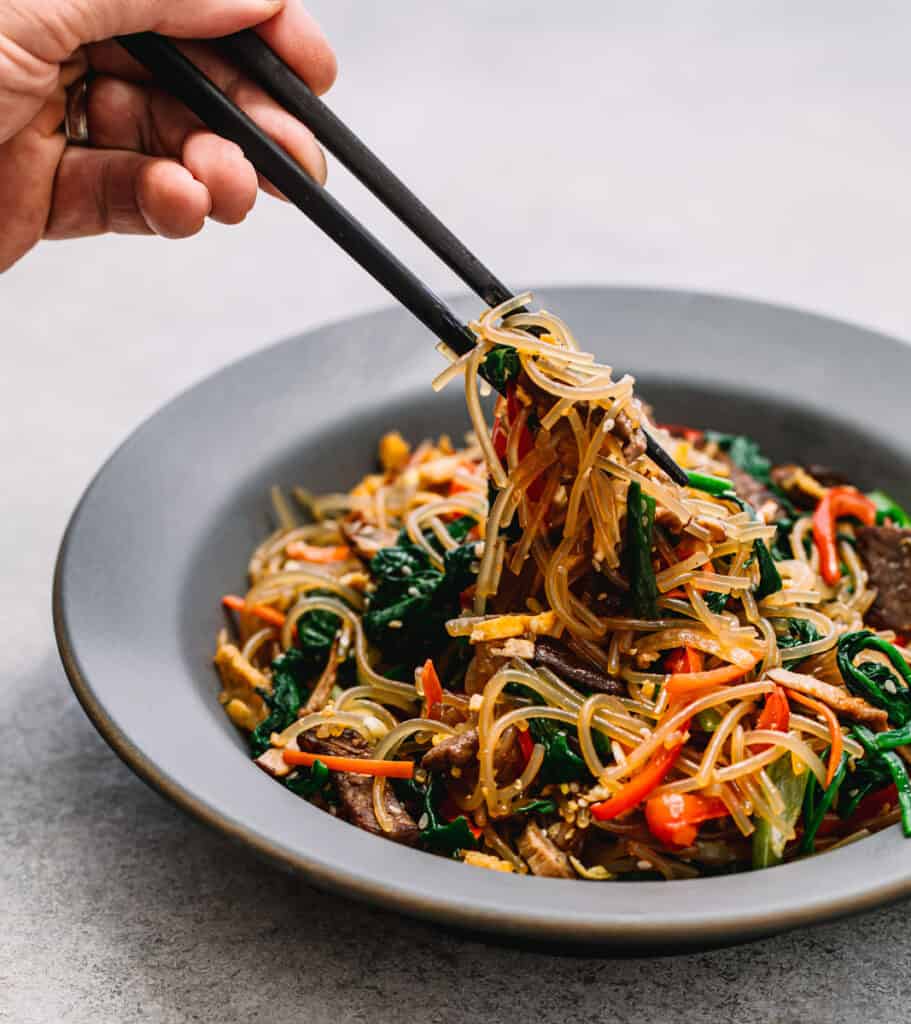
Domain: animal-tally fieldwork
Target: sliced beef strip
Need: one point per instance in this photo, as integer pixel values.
(826, 476)
(752, 490)
(568, 838)
(633, 438)
(355, 792)
(453, 714)
(783, 476)
(319, 697)
(457, 751)
(556, 656)
(508, 759)
(542, 855)
(484, 665)
(886, 554)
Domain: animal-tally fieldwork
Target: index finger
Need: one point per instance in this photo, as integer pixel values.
(292, 33)
(297, 38)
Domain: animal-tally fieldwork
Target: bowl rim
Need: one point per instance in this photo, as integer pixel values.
(509, 909)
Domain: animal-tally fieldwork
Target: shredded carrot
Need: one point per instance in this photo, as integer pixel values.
(633, 792)
(315, 553)
(433, 690)
(831, 721)
(359, 765)
(261, 611)
(682, 684)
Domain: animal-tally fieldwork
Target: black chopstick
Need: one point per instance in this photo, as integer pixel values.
(188, 84)
(253, 55)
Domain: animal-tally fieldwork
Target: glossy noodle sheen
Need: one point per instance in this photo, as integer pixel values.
(538, 654)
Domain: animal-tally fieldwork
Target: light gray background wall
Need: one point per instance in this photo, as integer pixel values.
(760, 149)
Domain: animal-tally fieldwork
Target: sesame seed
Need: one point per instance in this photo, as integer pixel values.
(395, 624)
(406, 570)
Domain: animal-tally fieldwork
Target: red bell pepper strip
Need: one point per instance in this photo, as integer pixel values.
(674, 818)
(871, 806)
(499, 436)
(433, 690)
(639, 786)
(684, 660)
(775, 716)
(687, 433)
(526, 744)
(834, 505)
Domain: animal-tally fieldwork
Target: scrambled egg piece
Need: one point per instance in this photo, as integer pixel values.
(487, 860)
(241, 680)
(395, 451)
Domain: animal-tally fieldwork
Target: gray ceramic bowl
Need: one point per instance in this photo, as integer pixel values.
(167, 525)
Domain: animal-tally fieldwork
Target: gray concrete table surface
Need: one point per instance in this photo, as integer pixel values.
(755, 149)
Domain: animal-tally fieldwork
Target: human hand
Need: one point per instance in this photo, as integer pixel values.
(151, 167)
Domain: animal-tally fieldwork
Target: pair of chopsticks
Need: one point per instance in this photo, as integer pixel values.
(247, 51)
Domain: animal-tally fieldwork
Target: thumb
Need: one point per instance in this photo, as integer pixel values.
(50, 30)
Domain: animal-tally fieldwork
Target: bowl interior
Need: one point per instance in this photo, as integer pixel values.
(169, 523)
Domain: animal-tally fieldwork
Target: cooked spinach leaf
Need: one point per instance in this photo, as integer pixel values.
(781, 545)
(883, 763)
(408, 610)
(501, 365)
(461, 567)
(800, 631)
(561, 763)
(873, 681)
(769, 578)
(283, 702)
(307, 782)
(438, 836)
(743, 452)
(538, 807)
(888, 508)
(716, 601)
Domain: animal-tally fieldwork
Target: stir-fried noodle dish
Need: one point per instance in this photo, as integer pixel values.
(537, 653)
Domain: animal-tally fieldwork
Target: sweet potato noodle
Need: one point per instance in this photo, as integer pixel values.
(536, 653)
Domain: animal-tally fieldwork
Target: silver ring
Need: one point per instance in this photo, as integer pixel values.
(76, 119)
